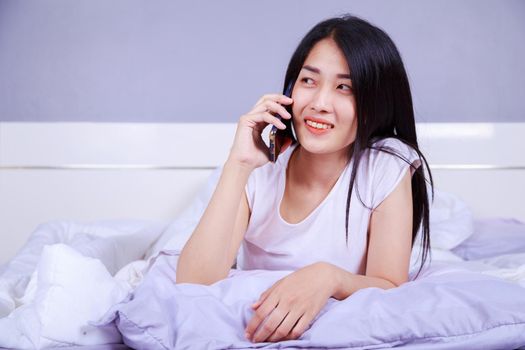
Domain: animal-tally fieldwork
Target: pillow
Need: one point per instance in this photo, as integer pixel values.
(114, 242)
(492, 237)
(179, 231)
(450, 221)
(66, 291)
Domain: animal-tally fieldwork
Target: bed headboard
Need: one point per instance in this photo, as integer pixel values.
(93, 171)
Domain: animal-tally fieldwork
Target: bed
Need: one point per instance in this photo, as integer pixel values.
(92, 217)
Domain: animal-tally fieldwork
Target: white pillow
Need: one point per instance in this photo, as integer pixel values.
(451, 221)
(179, 231)
(66, 291)
(114, 242)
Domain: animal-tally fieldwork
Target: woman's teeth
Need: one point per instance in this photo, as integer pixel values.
(318, 125)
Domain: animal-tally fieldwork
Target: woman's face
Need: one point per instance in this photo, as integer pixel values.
(323, 102)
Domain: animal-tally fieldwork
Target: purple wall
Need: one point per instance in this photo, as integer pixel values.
(209, 61)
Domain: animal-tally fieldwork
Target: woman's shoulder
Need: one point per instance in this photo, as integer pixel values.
(387, 163)
(385, 146)
(389, 155)
(391, 142)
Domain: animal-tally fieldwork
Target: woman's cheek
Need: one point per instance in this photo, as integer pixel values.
(300, 98)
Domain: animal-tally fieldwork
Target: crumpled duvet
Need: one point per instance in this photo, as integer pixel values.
(446, 307)
(67, 275)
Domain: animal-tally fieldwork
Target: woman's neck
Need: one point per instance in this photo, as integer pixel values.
(315, 171)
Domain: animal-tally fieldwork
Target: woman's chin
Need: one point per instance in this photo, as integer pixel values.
(321, 146)
(316, 147)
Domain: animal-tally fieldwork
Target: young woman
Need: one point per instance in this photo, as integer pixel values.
(342, 206)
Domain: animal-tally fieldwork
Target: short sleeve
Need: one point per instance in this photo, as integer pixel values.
(388, 170)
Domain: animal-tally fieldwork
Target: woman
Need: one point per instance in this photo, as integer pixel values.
(342, 206)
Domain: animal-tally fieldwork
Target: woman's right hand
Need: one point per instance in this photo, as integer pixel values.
(248, 147)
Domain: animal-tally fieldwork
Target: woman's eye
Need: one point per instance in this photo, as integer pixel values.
(307, 80)
(346, 87)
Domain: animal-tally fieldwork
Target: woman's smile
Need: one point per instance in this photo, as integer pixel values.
(317, 126)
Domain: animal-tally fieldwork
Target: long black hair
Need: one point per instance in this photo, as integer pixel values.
(383, 103)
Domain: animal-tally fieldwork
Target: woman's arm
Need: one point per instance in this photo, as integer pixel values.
(389, 247)
(210, 252)
(349, 283)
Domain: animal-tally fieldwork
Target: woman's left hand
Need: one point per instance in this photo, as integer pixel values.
(285, 311)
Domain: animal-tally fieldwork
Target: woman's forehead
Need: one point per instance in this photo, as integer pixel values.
(326, 58)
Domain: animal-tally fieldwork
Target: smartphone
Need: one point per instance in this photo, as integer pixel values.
(278, 137)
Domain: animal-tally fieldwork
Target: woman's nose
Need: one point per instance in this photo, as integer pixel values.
(321, 101)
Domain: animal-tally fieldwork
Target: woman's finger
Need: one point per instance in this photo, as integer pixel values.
(271, 119)
(280, 98)
(285, 327)
(272, 107)
(263, 297)
(258, 121)
(272, 322)
(300, 327)
(262, 312)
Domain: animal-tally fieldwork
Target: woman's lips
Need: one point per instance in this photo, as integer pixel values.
(317, 126)
(316, 131)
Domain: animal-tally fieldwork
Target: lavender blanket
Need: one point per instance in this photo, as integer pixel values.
(445, 308)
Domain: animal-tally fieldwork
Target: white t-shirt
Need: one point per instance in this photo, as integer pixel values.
(271, 243)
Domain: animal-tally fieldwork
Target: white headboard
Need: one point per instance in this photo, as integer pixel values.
(94, 171)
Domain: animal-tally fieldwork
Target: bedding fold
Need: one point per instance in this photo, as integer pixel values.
(69, 274)
(446, 307)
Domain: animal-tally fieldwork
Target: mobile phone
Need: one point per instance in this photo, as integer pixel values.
(278, 137)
